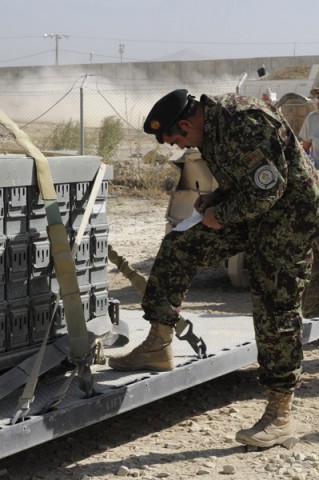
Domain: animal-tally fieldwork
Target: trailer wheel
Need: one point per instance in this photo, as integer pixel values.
(237, 271)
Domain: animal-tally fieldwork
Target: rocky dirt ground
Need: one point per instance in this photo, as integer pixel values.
(191, 434)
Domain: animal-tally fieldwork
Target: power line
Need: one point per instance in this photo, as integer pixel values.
(26, 56)
(187, 42)
(148, 40)
(89, 54)
(18, 37)
(100, 55)
(165, 41)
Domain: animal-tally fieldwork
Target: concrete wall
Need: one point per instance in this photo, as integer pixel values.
(151, 79)
(181, 71)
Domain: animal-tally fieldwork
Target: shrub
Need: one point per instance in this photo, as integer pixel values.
(110, 135)
(66, 136)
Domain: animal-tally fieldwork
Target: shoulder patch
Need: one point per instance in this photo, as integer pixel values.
(265, 177)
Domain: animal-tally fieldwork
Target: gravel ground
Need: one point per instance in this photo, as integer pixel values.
(190, 434)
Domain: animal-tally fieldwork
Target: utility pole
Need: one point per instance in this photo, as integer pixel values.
(57, 37)
(121, 50)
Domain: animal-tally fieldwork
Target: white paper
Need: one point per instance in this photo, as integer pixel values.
(189, 222)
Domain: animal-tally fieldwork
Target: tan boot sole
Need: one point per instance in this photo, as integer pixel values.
(263, 444)
(116, 364)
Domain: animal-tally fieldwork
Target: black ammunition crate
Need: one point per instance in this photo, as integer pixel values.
(28, 284)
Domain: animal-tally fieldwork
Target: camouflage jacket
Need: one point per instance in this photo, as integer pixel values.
(257, 161)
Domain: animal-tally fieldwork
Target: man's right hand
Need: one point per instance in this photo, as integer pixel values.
(203, 201)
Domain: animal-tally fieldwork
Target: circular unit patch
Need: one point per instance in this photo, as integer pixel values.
(265, 177)
(155, 124)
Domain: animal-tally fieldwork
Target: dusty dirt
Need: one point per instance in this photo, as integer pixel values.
(190, 434)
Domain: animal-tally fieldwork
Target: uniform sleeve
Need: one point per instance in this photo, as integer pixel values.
(257, 167)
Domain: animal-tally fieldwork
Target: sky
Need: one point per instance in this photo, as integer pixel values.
(49, 32)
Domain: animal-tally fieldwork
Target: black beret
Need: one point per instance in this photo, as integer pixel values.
(165, 112)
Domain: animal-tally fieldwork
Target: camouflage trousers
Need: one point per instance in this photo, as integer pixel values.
(279, 264)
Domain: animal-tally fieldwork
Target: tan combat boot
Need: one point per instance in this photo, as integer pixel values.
(155, 353)
(274, 427)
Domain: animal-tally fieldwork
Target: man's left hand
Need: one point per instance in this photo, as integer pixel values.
(210, 220)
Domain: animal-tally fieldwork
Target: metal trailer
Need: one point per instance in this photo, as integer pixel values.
(28, 288)
(230, 346)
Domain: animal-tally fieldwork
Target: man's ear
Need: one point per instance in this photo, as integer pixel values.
(185, 125)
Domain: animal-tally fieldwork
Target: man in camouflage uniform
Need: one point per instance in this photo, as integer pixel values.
(267, 205)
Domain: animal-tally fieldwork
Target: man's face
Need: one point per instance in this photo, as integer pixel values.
(194, 137)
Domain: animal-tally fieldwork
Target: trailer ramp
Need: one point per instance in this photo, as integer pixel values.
(230, 345)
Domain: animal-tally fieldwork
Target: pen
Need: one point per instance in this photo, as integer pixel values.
(197, 187)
